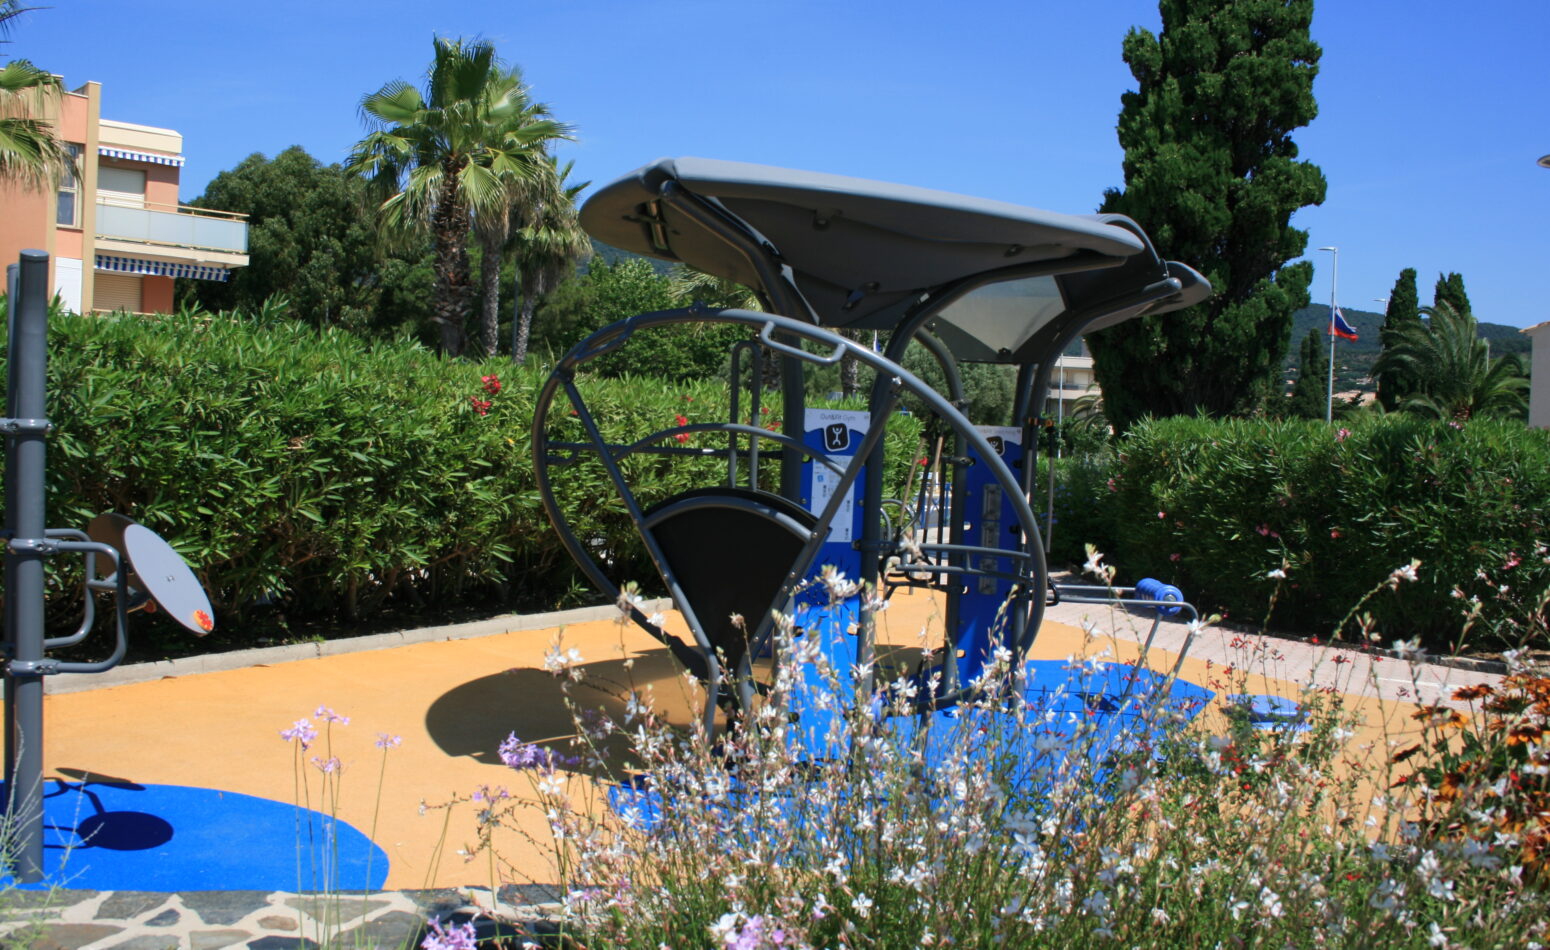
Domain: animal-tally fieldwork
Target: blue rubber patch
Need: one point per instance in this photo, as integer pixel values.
(122, 836)
(1124, 710)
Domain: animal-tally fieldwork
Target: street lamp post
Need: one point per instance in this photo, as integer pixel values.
(1334, 283)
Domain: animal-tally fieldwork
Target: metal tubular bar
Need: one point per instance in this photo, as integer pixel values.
(685, 654)
(885, 395)
(755, 409)
(1039, 388)
(810, 551)
(643, 445)
(89, 609)
(929, 568)
(735, 387)
(934, 401)
(944, 359)
(674, 589)
(25, 520)
(972, 549)
(782, 294)
(121, 607)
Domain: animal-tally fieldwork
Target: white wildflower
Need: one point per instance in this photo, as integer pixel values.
(1095, 566)
(1406, 572)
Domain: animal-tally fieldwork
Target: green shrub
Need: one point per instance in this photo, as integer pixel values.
(336, 478)
(1216, 507)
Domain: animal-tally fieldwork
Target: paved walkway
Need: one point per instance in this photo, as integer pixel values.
(210, 727)
(259, 920)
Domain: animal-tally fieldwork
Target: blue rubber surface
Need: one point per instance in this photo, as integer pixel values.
(120, 836)
(1119, 709)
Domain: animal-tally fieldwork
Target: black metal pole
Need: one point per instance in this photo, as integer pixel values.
(12, 272)
(26, 541)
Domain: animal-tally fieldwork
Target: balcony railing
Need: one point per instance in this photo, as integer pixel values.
(179, 227)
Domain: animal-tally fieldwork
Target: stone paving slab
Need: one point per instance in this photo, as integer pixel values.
(256, 920)
(1343, 667)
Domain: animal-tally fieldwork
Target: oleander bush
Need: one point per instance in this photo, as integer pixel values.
(1220, 507)
(335, 478)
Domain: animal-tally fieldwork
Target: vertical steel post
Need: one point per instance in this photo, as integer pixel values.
(6, 626)
(25, 523)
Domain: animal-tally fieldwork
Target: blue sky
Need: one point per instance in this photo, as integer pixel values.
(1431, 115)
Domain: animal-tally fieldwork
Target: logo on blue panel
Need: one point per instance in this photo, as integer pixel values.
(997, 444)
(836, 437)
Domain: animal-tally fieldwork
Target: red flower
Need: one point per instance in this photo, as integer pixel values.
(492, 384)
(682, 437)
(924, 460)
(1334, 534)
(681, 419)
(481, 406)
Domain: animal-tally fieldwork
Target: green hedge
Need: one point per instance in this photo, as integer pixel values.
(337, 478)
(1216, 506)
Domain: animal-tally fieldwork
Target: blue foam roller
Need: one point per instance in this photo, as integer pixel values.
(1150, 588)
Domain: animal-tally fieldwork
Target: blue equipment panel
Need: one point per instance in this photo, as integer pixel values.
(983, 621)
(836, 434)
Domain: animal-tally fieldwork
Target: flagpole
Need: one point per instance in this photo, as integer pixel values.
(1334, 283)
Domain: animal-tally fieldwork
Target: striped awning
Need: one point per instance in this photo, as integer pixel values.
(137, 265)
(133, 156)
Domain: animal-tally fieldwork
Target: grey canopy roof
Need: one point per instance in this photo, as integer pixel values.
(864, 254)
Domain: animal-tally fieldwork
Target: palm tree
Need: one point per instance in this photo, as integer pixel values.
(447, 158)
(689, 286)
(30, 155)
(549, 243)
(1455, 377)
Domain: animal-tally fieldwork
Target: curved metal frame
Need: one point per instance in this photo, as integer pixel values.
(774, 331)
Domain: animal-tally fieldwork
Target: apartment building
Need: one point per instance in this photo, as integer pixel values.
(1071, 378)
(115, 231)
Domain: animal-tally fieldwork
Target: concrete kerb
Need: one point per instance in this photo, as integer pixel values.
(268, 656)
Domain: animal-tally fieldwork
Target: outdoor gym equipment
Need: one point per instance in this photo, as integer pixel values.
(146, 573)
(969, 279)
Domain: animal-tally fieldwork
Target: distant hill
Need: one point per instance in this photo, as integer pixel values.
(1353, 359)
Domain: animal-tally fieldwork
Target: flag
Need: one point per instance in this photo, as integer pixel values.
(1338, 326)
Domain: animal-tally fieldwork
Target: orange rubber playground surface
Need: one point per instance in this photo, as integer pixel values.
(452, 701)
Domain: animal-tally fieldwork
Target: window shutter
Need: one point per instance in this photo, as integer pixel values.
(117, 292)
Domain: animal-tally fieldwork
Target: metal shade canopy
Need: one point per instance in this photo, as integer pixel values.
(868, 255)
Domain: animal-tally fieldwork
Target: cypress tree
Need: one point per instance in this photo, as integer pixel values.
(1403, 311)
(1450, 291)
(1310, 393)
(1211, 173)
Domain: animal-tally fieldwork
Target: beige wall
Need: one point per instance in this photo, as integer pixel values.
(27, 218)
